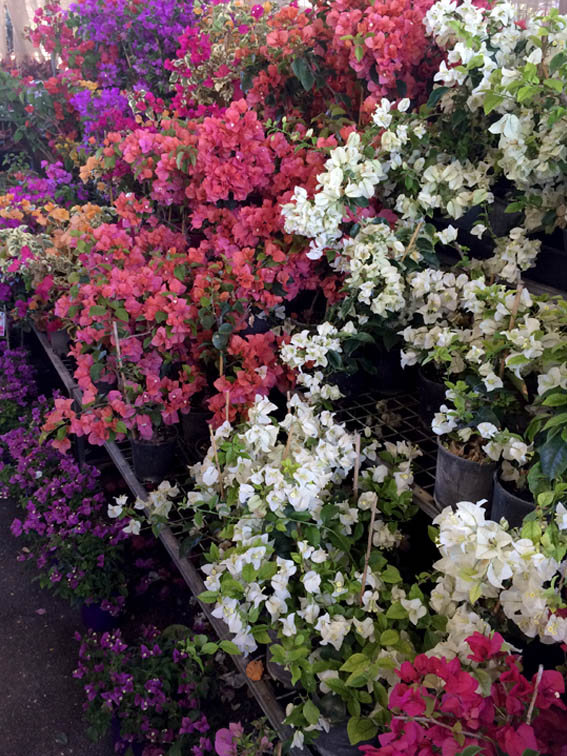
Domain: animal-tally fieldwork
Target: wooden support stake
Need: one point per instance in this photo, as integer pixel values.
(412, 240)
(513, 314)
(288, 443)
(216, 453)
(356, 465)
(227, 406)
(368, 549)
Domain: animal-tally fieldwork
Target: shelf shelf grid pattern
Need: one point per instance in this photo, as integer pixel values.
(397, 418)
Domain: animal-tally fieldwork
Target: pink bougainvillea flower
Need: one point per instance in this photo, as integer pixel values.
(224, 743)
(257, 11)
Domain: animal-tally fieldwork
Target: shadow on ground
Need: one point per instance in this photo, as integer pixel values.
(40, 703)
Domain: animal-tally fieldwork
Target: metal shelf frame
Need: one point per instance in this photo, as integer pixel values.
(261, 690)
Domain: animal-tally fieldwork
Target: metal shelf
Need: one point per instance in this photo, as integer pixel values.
(393, 419)
(261, 690)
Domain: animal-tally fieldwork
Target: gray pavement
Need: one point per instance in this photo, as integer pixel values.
(40, 703)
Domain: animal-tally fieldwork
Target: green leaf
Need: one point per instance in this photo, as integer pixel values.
(95, 371)
(160, 317)
(121, 427)
(391, 575)
(248, 573)
(492, 101)
(389, 637)
(354, 662)
(121, 314)
(532, 530)
(311, 712)
(302, 70)
(526, 93)
(357, 678)
(229, 647)
(359, 52)
(553, 457)
(475, 593)
(267, 571)
(554, 84)
(219, 341)
(396, 611)
(557, 399)
(435, 96)
(209, 648)
(360, 729)
(97, 310)
(208, 597)
(557, 61)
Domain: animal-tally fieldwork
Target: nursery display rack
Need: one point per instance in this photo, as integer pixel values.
(271, 705)
(393, 418)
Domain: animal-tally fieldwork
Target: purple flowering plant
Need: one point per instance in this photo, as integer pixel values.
(150, 686)
(78, 552)
(17, 385)
(130, 39)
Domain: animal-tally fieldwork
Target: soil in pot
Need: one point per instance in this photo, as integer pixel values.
(431, 395)
(459, 479)
(153, 459)
(510, 503)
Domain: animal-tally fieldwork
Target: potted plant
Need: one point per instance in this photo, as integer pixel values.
(472, 439)
(295, 551)
(149, 687)
(468, 715)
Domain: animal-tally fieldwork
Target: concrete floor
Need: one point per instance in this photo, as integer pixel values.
(40, 703)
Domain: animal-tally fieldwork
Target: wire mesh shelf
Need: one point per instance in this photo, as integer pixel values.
(397, 418)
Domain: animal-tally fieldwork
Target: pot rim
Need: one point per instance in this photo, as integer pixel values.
(485, 465)
(498, 482)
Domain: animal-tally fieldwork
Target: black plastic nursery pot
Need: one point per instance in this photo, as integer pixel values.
(431, 396)
(390, 377)
(103, 387)
(458, 479)
(550, 268)
(152, 459)
(195, 426)
(59, 341)
(510, 505)
(336, 743)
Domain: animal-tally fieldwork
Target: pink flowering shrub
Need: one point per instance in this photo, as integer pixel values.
(442, 706)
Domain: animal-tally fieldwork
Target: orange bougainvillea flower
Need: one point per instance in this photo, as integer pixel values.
(59, 214)
(254, 670)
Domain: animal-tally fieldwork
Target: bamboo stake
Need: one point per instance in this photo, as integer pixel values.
(356, 465)
(534, 695)
(216, 453)
(368, 549)
(227, 406)
(221, 365)
(513, 314)
(412, 240)
(288, 443)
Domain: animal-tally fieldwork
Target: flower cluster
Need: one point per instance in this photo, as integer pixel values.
(485, 701)
(485, 561)
(151, 685)
(79, 555)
